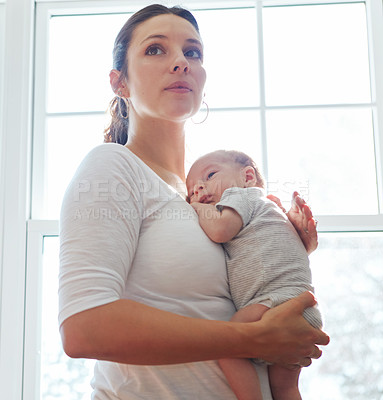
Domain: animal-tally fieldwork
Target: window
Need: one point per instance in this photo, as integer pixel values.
(317, 83)
(16, 33)
(298, 85)
(348, 279)
(2, 51)
(44, 352)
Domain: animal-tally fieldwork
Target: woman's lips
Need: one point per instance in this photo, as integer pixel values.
(179, 87)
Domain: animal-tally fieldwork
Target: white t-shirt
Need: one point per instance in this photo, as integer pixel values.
(125, 233)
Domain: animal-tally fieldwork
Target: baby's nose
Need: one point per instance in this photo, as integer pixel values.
(199, 189)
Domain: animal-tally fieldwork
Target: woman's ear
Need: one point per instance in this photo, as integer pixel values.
(118, 85)
(249, 176)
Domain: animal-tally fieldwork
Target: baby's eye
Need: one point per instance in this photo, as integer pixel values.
(211, 174)
(193, 53)
(154, 50)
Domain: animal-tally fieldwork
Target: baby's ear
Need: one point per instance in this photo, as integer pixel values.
(249, 176)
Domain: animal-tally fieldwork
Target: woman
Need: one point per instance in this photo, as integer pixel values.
(142, 289)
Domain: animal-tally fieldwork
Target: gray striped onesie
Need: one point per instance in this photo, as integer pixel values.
(266, 262)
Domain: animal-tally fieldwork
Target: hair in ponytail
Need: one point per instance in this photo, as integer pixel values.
(117, 131)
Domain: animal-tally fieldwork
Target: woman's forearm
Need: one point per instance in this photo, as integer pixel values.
(128, 332)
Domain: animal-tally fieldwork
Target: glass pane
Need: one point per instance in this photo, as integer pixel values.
(231, 56)
(68, 140)
(328, 151)
(80, 59)
(348, 276)
(316, 54)
(229, 130)
(61, 378)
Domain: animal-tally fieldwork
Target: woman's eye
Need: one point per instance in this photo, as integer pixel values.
(210, 175)
(193, 53)
(154, 51)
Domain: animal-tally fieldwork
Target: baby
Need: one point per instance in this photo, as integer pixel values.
(267, 263)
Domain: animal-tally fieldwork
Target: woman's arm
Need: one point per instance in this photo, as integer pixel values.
(129, 332)
(301, 217)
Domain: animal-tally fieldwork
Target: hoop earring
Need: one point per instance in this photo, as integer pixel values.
(121, 106)
(207, 114)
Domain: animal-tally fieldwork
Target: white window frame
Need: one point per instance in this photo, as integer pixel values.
(2, 62)
(37, 231)
(14, 180)
(19, 278)
(2, 130)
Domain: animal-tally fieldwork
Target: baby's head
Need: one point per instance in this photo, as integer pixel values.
(215, 172)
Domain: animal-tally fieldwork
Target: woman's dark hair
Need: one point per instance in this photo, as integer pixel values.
(117, 131)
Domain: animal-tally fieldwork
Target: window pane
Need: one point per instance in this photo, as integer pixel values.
(80, 58)
(62, 378)
(234, 130)
(316, 54)
(68, 140)
(332, 151)
(231, 56)
(348, 276)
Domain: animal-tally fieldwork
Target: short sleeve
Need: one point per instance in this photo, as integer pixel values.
(99, 228)
(242, 200)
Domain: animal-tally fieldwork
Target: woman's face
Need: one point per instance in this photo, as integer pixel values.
(165, 72)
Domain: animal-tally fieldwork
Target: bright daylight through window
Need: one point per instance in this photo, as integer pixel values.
(289, 85)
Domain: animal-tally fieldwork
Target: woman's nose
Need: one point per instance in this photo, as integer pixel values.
(177, 68)
(180, 65)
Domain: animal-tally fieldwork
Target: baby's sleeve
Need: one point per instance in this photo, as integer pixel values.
(239, 200)
(99, 228)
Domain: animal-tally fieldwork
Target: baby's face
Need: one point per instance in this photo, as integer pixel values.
(210, 176)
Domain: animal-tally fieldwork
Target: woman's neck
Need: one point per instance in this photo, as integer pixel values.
(161, 145)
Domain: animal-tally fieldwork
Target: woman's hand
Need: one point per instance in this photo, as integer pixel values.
(287, 338)
(301, 217)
